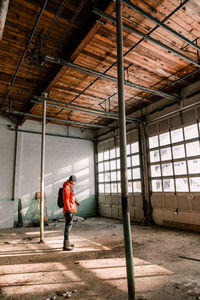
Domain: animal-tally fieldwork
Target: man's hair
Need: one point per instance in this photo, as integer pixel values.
(72, 178)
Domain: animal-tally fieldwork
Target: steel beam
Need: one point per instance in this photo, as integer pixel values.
(83, 109)
(56, 60)
(55, 120)
(161, 24)
(25, 51)
(123, 156)
(147, 37)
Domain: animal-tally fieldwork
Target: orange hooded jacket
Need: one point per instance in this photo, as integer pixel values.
(68, 198)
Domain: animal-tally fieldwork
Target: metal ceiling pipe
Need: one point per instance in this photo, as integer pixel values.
(173, 112)
(3, 13)
(25, 51)
(147, 37)
(56, 60)
(42, 171)
(123, 156)
(102, 114)
(56, 120)
(161, 24)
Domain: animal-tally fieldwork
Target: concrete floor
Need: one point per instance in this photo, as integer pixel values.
(96, 268)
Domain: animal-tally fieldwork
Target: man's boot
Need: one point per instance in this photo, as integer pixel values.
(67, 246)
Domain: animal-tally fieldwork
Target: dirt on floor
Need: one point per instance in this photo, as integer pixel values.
(166, 262)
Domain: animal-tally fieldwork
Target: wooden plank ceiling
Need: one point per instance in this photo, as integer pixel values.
(84, 38)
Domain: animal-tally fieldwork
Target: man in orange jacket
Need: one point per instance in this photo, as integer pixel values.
(69, 209)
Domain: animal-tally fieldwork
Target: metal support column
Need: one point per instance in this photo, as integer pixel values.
(42, 172)
(123, 159)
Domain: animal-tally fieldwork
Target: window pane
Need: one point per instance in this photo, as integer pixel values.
(194, 166)
(154, 156)
(119, 187)
(167, 169)
(156, 185)
(101, 188)
(101, 177)
(113, 176)
(113, 164)
(113, 187)
(195, 184)
(134, 147)
(112, 153)
(178, 151)
(191, 132)
(117, 152)
(193, 149)
(100, 156)
(177, 135)
(166, 154)
(180, 168)
(135, 160)
(137, 186)
(155, 171)
(107, 166)
(129, 162)
(136, 173)
(106, 155)
(107, 176)
(164, 139)
(107, 188)
(128, 149)
(130, 186)
(118, 175)
(129, 174)
(153, 142)
(100, 167)
(181, 185)
(118, 163)
(168, 185)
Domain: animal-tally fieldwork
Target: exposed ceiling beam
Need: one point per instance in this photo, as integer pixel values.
(25, 51)
(83, 109)
(161, 24)
(56, 60)
(147, 37)
(69, 122)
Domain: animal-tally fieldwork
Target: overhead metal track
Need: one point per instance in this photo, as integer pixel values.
(25, 51)
(147, 37)
(55, 120)
(52, 134)
(161, 24)
(56, 60)
(83, 109)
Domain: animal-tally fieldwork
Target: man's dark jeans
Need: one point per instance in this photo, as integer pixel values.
(68, 224)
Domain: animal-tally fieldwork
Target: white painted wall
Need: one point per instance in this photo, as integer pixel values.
(64, 157)
(7, 139)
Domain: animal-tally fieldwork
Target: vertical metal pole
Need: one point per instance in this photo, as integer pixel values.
(123, 159)
(15, 164)
(141, 169)
(42, 172)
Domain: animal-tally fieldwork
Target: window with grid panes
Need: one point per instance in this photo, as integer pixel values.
(109, 177)
(175, 160)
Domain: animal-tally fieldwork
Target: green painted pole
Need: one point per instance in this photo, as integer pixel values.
(123, 158)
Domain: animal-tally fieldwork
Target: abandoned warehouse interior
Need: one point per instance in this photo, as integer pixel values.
(107, 91)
